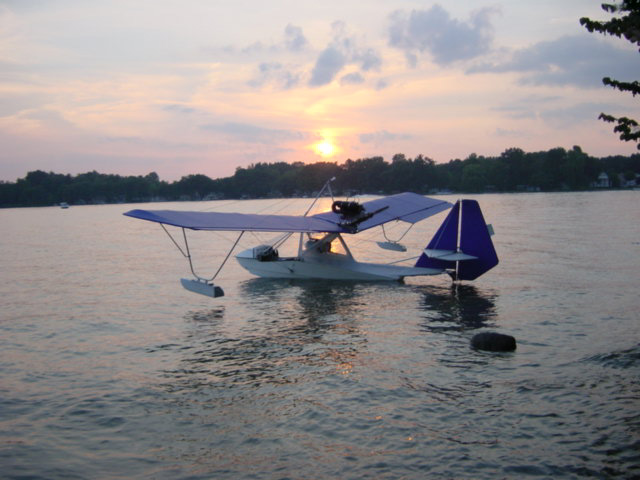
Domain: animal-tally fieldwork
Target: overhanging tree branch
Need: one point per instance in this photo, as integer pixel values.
(625, 26)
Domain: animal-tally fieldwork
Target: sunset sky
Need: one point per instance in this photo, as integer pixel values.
(206, 86)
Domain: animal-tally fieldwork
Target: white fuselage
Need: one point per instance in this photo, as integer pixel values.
(316, 261)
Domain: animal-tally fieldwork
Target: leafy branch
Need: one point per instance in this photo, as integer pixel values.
(625, 26)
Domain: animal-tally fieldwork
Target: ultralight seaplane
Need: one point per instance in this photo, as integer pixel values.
(461, 247)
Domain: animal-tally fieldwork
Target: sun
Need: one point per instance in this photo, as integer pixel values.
(324, 148)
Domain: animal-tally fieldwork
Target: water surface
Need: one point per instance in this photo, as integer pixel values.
(111, 370)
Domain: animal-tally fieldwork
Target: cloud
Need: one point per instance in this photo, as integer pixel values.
(23, 4)
(255, 134)
(501, 132)
(527, 107)
(572, 115)
(178, 108)
(341, 52)
(551, 111)
(580, 60)
(446, 39)
(517, 112)
(381, 84)
(295, 40)
(53, 119)
(368, 59)
(382, 136)
(14, 103)
(352, 79)
(253, 49)
(286, 67)
(124, 139)
(327, 66)
(275, 73)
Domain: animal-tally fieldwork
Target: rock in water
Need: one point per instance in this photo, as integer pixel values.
(493, 342)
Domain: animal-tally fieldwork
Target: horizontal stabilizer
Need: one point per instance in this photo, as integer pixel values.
(202, 287)
(448, 255)
(445, 240)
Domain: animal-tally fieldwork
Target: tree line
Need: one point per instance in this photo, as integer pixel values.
(513, 170)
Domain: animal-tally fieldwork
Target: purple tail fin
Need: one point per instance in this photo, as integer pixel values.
(462, 244)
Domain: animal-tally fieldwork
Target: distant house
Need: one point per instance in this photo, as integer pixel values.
(634, 182)
(603, 181)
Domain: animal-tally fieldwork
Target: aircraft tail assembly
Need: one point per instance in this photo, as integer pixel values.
(462, 245)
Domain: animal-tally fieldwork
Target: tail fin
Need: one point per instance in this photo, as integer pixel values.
(462, 244)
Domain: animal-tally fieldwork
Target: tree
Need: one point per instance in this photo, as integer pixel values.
(473, 178)
(626, 25)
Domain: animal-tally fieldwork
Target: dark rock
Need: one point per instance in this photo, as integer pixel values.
(493, 342)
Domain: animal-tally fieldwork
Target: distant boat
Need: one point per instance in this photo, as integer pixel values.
(64, 205)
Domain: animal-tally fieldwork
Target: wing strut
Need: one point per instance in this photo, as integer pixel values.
(201, 285)
(228, 255)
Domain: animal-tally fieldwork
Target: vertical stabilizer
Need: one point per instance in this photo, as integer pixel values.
(462, 244)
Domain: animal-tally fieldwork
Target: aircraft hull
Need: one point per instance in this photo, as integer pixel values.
(327, 266)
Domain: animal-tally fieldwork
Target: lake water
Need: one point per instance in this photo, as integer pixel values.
(109, 369)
